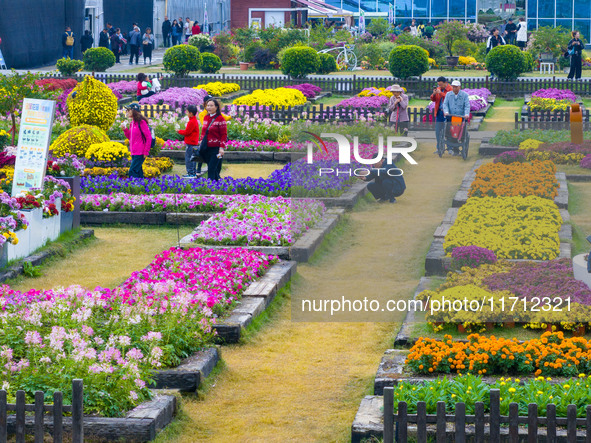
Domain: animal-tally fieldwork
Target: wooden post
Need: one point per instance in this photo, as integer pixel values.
(551, 422)
(495, 416)
(389, 414)
(20, 416)
(479, 422)
(441, 421)
(513, 423)
(421, 422)
(460, 423)
(571, 423)
(58, 432)
(402, 426)
(3, 413)
(38, 424)
(532, 423)
(77, 411)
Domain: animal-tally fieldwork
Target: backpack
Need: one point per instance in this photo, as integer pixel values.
(69, 39)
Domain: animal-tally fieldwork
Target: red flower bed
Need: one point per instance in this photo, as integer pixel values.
(52, 84)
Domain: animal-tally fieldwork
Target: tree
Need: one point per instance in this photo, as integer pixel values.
(378, 27)
(450, 32)
(14, 88)
(549, 40)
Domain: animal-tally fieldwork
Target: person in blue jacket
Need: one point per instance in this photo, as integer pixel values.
(386, 181)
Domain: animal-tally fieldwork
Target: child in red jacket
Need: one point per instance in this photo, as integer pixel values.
(191, 133)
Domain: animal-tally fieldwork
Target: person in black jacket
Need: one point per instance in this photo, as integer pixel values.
(511, 31)
(104, 39)
(494, 40)
(117, 42)
(86, 41)
(575, 48)
(166, 31)
(388, 182)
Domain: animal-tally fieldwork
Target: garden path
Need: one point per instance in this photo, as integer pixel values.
(302, 381)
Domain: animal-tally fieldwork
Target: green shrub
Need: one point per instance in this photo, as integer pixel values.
(202, 42)
(515, 136)
(210, 63)
(408, 61)
(250, 49)
(98, 59)
(69, 67)
(465, 47)
(506, 62)
(385, 49)
(433, 47)
(370, 52)
(529, 62)
(480, 54)
(182, 59)
(299, 61)
(326, 64)
(378, 27)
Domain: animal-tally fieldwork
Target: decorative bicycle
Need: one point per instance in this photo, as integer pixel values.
(346, 58)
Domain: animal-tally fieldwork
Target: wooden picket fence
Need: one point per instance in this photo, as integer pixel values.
(353, 84)
(548, 120)
(19, 422)
(480, 433)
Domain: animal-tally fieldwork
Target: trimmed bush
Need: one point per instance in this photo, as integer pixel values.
(92, 103)
(77, 141)
(202, 42)
(529, 62)
(98, 59)
(182, 59)
(506, 62)
(210, 63)
(326, 64)
(408, 61)
(69, 67)
(299, 61)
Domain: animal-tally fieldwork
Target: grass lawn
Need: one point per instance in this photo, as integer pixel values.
(501, 115)
(573, 169)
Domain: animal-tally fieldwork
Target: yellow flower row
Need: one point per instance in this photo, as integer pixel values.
(108, 152)
(280, 97)
(219, 88)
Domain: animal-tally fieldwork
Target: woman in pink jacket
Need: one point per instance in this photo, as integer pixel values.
(140, 139)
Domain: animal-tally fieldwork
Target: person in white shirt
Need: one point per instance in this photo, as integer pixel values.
(188, 29)
(414, 30)
(522, 33)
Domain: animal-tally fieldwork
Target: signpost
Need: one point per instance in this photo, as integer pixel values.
(33, 144)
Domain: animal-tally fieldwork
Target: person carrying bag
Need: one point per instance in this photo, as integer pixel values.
(214, 137)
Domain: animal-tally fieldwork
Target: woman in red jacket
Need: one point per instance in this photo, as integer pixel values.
(191, 133)
(140, 140)
(216, 132)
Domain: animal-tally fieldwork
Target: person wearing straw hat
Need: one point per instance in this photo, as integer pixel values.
(397, 107)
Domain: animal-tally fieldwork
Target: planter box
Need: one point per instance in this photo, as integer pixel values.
(74, 183)
(67, 220)
(35, 218)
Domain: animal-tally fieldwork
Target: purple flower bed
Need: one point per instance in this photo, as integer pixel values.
(472, 256)
(567, 147)
(176, 97)
(586, 162)
(376, 101)
(481, 92)
(61, 107)
(510, 157)
(548, 279)
(309, 90)
(123, 87)
(558, 94)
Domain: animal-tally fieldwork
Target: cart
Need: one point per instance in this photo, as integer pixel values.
(455, 135)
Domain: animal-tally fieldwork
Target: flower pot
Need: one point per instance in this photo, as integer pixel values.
(74, 183)
(66, 221)
(452, 61)
(461, 328)
(579, 332)
(509, 324)
(243, 66)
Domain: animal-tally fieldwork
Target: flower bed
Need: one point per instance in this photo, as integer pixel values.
(551, 355)
(373, 101)
(219, 88)
(123, 87)
(469, 389)
(157, 203)
(549, 104)
(556, 94)
(565, 153)
(246, 129)
(280, 97)
(511, 227)
(501, 180)
(309, 90)
(114, 338)
(55, 84)
(260, 221)
(254, 145)
(516, 136)
(176, 97)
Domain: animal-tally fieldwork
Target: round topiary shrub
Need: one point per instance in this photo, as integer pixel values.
(326, 64)
(210, 63)
(68, 67)
(92, 103)
(202, 42)
(182, 59)
(299, 61)
(98, 59)
(408, 61)
(77, 140)
(506, 62)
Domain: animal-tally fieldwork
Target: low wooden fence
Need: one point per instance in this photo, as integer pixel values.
(548, 120)
(39, 408)
(421, 420)
(353, 84)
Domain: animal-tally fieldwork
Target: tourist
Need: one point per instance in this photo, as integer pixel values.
(456, 104)
(414, 30)
(191, 133)
(494, 40)
(144, 86)
(134, 45)
(215, 135)
(68, 43)
(140, 140)
(443, 87)
(188, 29)
(575, 50)
(104, 39)
(388, 182)
(148, 44)
(117, 41)
(202, 115)
(86, 41)
(196, 29)
(166, 31)
(429, 30)
(511, 31)
(522, 33)
(397, 107)
(111, 30)
(176, 33)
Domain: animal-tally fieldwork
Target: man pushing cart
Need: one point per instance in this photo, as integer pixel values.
(456, 109)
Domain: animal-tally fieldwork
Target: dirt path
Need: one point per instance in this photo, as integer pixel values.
(298, 381)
